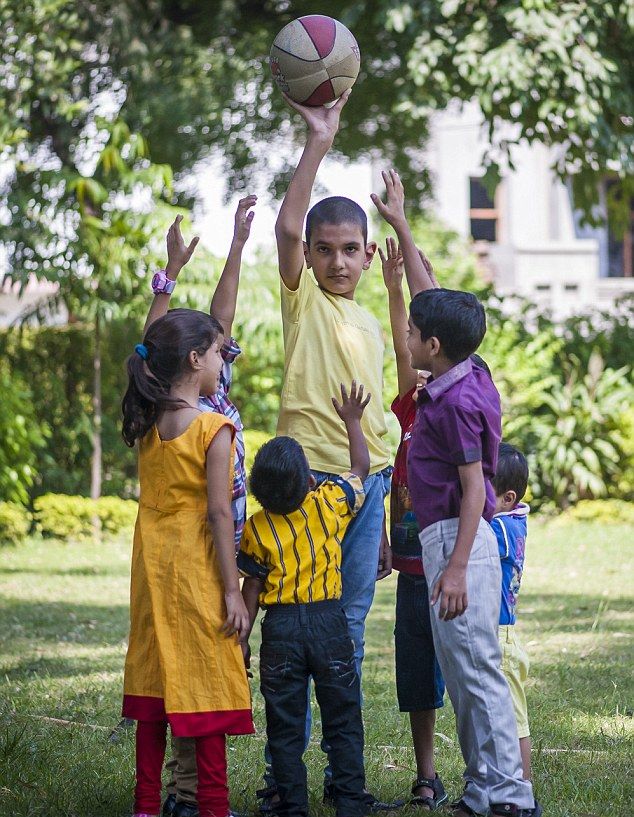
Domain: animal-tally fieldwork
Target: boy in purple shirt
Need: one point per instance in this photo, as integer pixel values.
(451, 462)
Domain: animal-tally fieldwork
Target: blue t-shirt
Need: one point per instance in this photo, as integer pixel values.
(510, 530)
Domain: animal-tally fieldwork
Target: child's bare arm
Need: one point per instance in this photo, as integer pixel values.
(223, 302)
(351, 410)
(178, 254)
(452, 584)
(222, 530)
(393, 211)
(392, 265)
(323, 124)
(251, 589)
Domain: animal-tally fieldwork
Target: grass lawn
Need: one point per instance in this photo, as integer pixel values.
(63, 609)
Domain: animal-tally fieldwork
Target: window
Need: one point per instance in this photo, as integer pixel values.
(483, 213)
(621, 248)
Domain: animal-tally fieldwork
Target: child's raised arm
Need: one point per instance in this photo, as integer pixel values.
(417, 268)
(351, 410)
(222, 530)
(323, 124)
(178, 254)
(392, 265)
(224, 299)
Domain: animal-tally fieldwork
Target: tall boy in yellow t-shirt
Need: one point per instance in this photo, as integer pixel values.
(328, 340)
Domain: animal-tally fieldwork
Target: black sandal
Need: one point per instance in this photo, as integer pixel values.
(460, 805)
(429, 803)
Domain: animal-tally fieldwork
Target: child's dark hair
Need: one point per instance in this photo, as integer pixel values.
(280, 475)
(336, 210)
(456, 318)
(511, 473)
(168, 342)
(481, 363)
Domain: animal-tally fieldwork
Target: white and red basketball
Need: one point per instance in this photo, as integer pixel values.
(315, 59)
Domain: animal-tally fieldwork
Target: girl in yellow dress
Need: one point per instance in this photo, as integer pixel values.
(184, 665)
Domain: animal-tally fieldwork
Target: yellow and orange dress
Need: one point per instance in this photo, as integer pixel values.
(180, 666)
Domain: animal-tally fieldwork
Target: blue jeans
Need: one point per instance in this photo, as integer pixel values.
(359, 564)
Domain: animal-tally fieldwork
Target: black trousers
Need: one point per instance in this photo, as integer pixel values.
(300, 641)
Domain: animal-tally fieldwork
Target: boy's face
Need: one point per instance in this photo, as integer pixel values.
(338, 256)
(422, 351)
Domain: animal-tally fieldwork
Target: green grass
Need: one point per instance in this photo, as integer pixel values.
(64, 613)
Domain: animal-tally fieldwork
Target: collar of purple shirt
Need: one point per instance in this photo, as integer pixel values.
(437, 386)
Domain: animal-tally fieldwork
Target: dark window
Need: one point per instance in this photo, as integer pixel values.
(483, 214)
(621, 248)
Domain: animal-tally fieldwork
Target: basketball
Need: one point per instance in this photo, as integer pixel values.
(314, 59)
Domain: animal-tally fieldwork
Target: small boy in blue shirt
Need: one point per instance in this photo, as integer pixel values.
(509, 525)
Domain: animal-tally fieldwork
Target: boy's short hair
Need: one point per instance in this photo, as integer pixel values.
(511, 473)
(280, 475)
(336, 210)
(456, 318)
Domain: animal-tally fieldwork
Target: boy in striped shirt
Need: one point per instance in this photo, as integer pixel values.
(291, 556)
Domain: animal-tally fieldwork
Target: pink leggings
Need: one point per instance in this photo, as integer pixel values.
(211, 761)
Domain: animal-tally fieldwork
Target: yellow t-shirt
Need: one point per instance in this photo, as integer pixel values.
(298, 555)
(329, 340)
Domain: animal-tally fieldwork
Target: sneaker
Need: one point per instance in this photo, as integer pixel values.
(168, 806)
(269, 798)
(372, 803)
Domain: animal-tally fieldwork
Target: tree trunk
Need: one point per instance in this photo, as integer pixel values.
(95, 478)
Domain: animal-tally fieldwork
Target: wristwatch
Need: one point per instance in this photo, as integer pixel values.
(161, 283)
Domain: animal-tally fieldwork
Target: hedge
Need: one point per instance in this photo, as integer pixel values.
(15, 523)
(61, 516)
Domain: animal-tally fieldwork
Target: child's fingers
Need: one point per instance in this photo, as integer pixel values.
(341, 101)
(178, 219)
(249, 218)
(435, 593)
(353, 390)
(359, 395)
(337, 405)
(344, 394)
(381, 255)
(192, 244)
(377, 203)
(366, 401)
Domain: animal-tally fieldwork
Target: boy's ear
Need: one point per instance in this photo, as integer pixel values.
(510, 499)
(434, 345)
(370, 249)
(309, 263)
(312, 483)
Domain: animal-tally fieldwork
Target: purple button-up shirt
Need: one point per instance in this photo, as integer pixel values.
(458, 421)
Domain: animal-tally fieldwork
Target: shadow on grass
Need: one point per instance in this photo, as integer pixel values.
(27, 669)
(86, 570)
(63, 622)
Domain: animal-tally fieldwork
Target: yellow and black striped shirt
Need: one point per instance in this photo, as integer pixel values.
(298, 555)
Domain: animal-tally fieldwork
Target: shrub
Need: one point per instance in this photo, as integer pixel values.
(61, 516)
(15, 522)
(604, 511)
(116, 514)
(22, 437)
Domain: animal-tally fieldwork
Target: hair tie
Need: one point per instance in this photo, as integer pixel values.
(141, 350)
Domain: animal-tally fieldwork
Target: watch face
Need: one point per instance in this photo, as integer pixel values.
(156, 280)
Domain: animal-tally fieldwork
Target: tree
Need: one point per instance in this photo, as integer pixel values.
(192, 76)
(91, 233)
